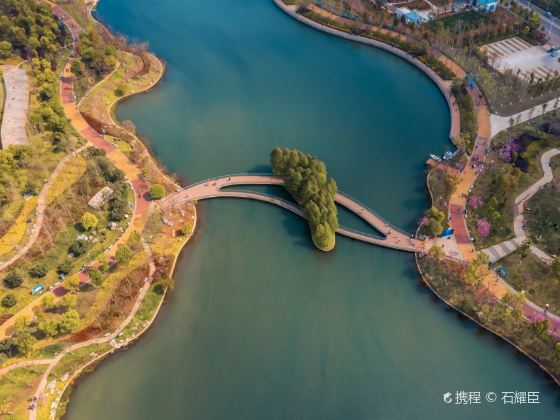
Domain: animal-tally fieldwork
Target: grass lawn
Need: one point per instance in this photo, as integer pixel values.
(47, 352)
(72, 171)
(535, 277)
(145, 313)
(77, 10)
(500, 183)
(470, 19)
(2, 95)
(15, 235)
(438, 187)
(15, 388)
(74, 359)
(542, 213)
(61, 227)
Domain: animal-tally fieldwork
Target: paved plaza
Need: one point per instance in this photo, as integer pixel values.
(17, 106)
(522, 58)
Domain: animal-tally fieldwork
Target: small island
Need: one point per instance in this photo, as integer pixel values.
(305, 178)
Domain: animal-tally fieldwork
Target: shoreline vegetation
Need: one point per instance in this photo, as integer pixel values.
(504, 317)
(167, 246)
(166, 240)
(305, 178)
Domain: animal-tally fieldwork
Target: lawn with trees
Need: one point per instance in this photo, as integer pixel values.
(515, 165)
(305, 178)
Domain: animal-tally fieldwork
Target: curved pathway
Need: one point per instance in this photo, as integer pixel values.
(131, 171)
(458, 200)
(392, 236)
(39, 393)
(444, 87)
(41, 207)
(502, 249)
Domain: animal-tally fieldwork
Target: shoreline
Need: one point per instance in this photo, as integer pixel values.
(427, 71)
(450, 99)
(440, 83)
(96, 361)
(466, 316)
(112, 108)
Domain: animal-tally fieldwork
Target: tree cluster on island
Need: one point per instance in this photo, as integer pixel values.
(305, 178)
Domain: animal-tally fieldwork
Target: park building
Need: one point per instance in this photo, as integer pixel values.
(485, 5)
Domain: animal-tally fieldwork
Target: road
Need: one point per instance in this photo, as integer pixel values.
(546, 22)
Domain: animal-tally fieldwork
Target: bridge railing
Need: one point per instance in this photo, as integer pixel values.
(228, 176)
(393, 227)
(295, 205)
(369, 235)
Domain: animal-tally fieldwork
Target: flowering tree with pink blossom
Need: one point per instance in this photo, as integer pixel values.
(476, 201)
(512, 146)
(423, 221)
(483, 228)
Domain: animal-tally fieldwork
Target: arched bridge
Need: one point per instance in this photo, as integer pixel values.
(213, 188)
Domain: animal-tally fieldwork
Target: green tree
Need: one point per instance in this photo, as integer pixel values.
(541, 328)
(69, 300)
(5, 49)
(186, 229)
(451, 182)
(305, 177)
(79, 247)
(49, 327)
(556, 267)
(77, 68)
(12, 280)
(436, 252)
(96, 276)
(157, 192)
(436, 220)
(135, 239)
(89, 221)
(69, 323)
(124, 255)
(49, 301)
(24, 342)
(9, 301)
(64, 268)
(103, 265)
(72, 283)
(38, 270)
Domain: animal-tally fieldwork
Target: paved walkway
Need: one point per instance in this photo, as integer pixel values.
(41, 207)
(392, 236)
(131, 171)
(40, 391)
(502, 249)
(444, 87)
(14, 120)
(458, 200)
(500, 123)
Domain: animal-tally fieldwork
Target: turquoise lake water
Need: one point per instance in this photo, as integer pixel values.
(261, 325)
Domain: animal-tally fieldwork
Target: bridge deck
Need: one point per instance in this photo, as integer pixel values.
(392, 236)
